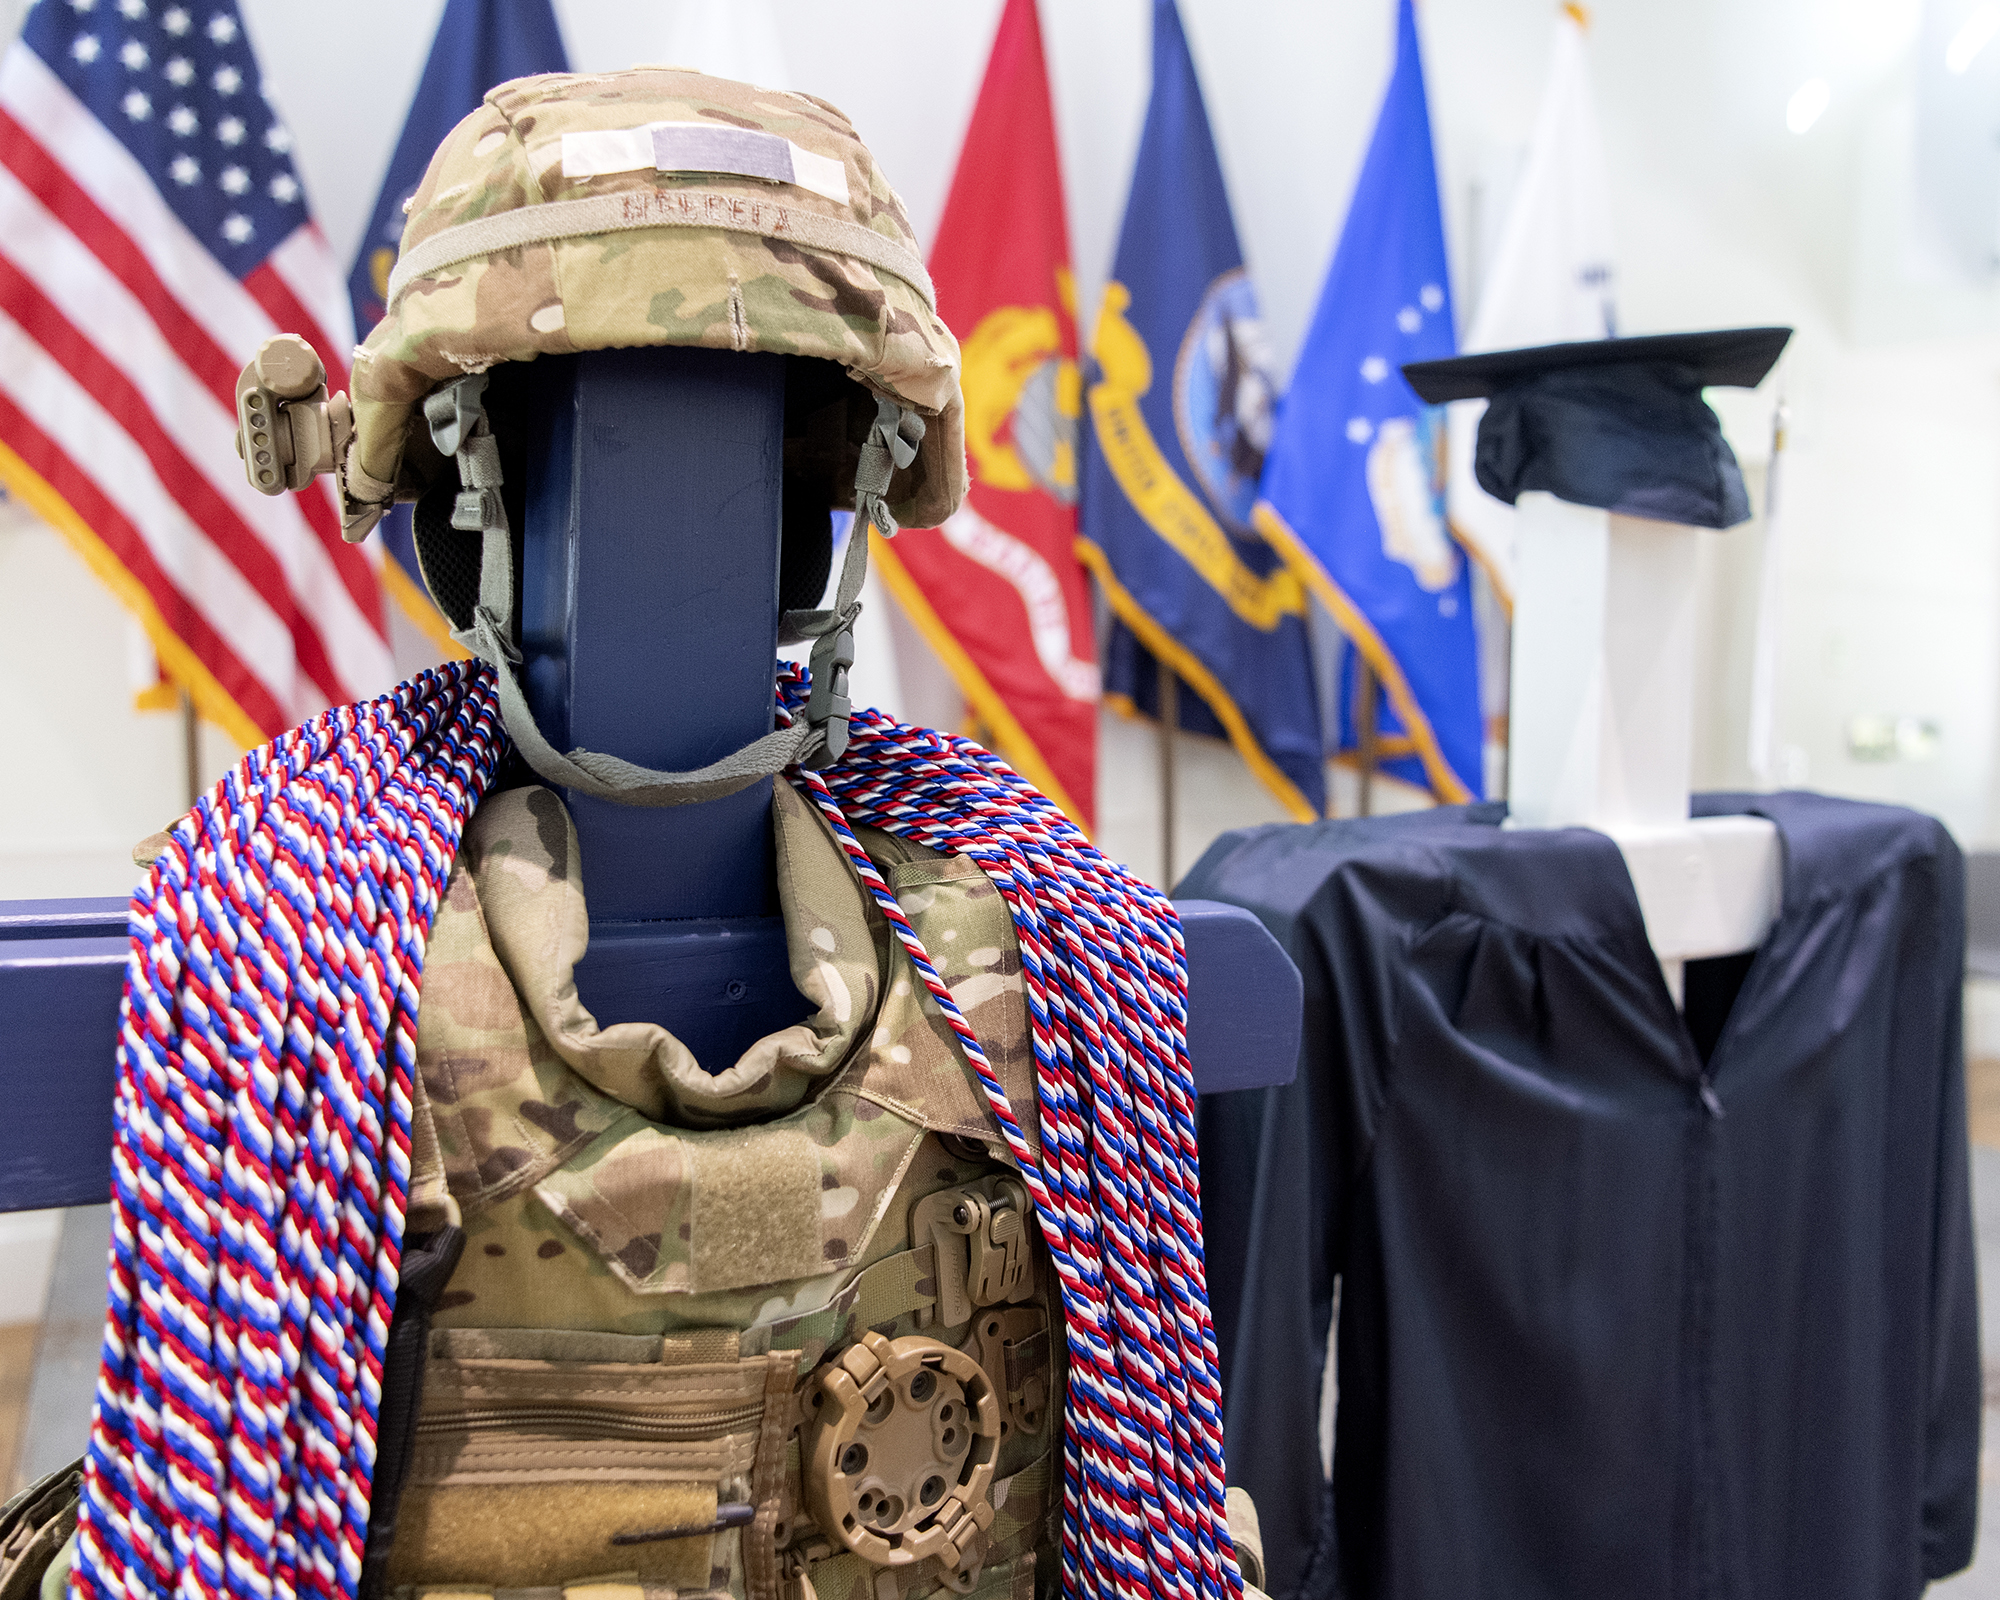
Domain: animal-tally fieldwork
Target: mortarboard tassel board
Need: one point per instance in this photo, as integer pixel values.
(1614, 423)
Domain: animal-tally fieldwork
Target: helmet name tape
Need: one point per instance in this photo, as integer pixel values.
(702, 147)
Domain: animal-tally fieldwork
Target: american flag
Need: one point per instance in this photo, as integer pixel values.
(153, 233)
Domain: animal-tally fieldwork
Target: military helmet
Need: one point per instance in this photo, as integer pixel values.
(656, 206)
(595, 211)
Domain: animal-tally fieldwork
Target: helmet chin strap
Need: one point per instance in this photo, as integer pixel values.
(459, 427)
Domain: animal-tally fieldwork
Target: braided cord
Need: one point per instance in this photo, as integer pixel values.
(1117, 1186)
(261, 1160)
(267, 1047)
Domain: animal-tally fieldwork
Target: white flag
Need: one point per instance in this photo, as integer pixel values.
(1551, 278)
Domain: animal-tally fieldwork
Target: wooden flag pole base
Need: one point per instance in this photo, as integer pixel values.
(191, 748)
(1170, 717)
(1366, 716)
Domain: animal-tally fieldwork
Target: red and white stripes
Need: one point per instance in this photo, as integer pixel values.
(120, 340)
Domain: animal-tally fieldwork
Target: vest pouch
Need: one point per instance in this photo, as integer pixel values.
(544, 1458)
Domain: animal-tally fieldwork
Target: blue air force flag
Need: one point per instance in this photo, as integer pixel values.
(1180, 407)
(479, 44)
(1353, 489)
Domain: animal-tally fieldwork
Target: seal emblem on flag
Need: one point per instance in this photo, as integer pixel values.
(1224, 400)
(999, 593)
(1022, 398)
(1406, 488)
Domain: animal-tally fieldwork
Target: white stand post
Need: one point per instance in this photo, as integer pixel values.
(1602, 724)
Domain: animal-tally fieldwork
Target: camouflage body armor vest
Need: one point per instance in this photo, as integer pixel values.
(788, 1330)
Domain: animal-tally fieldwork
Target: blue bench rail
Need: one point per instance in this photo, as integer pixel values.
(62, 968)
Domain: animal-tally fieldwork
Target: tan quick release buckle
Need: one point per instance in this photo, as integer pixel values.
(980, 1231)
(901, 1438)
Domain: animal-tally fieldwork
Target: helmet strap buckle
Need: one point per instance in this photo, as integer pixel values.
(475, 510)
(828, 708)
(454, 410)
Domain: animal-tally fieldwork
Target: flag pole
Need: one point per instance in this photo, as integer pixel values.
(1170, 716)
(191, 749)
(1761, 754)
(1366, 801)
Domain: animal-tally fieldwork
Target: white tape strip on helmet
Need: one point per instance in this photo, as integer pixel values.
(703, 147)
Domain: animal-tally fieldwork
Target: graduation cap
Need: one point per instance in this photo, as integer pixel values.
(1614, 423)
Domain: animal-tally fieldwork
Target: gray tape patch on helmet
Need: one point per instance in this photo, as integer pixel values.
(702, 147)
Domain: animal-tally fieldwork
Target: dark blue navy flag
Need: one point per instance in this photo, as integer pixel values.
(1180, 415)
(1353, 491)
(479, 43)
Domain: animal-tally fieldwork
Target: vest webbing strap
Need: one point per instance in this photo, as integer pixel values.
(893, 1287)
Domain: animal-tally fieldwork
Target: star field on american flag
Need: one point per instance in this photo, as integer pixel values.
(176, 84)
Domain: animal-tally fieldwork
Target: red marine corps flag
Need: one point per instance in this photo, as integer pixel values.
(998, 590)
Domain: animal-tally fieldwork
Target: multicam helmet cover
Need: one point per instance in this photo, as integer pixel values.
(655, 206)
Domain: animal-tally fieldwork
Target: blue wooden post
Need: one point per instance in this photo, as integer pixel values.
(649, 607)
(62, 964)
(649, 619)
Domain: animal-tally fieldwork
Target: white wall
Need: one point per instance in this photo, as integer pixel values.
(1892, 498)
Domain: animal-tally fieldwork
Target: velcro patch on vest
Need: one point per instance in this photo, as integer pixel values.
(756, 1210)
(547, 1534)
(702, 147)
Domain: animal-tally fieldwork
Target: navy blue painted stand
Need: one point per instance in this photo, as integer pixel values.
(649, 619)
(649, 520)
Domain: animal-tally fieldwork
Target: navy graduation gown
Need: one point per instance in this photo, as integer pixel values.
(1630, 1305)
